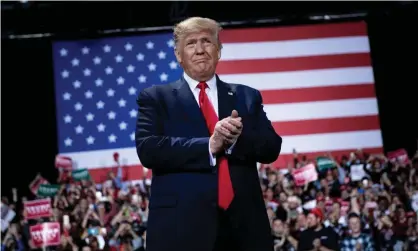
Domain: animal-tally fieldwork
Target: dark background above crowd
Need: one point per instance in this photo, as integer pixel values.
(87, 18)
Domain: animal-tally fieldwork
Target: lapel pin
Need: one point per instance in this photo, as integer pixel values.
(230, 93)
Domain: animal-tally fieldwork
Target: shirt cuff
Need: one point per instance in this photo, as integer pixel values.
(229, 150)
(212, 159)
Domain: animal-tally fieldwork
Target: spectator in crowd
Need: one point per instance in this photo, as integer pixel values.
(317, 236)
(355, 239)
(13, 239)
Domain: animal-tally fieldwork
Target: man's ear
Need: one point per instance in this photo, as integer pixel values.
(219, 54)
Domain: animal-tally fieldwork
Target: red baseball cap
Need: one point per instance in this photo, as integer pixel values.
(318, 213)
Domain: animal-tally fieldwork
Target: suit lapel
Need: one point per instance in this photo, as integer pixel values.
(226, 99)
(189, 107)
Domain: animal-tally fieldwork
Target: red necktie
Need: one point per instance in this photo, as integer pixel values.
(225, 191)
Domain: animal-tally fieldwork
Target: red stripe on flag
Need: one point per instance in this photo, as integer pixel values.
(293, 64)
(314, 126)
(134, 172)
(318, 94)
(284, 159)
(293, 32)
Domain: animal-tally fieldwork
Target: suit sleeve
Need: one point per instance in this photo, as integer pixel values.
(157, 151)
(258, 142)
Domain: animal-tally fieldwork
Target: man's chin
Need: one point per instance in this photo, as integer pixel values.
(204, 74)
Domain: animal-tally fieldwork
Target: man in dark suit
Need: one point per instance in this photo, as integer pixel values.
(202, 138)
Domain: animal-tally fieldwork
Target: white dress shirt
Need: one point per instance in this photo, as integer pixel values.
(212, 93)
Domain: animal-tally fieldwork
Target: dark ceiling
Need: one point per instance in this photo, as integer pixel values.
(20, 18)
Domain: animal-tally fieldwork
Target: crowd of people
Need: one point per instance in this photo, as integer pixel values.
(377, 212)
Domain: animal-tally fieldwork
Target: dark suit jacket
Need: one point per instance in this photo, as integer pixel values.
(172, 139)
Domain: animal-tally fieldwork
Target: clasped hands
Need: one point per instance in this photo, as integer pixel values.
(226, 132)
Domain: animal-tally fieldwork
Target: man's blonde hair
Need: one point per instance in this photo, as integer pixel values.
(197, 24)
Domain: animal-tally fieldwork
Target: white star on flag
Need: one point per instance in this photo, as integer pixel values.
(90, 117)
(67, 96)
(107, 48)
(63, 52)
(112, 138)
(132, 90)
(150, 45)
(78, 106)
(142, 79)
(173, 65)
(111, 115)
(97, 60)
(101, 127)
(68, 119)
(120, 81)
(109, 70)
(152, 67)
(110, 93)
(65, 74)
(100, 104)
(128, 47)
(170, 43)
(90, 140)
(163, 77)
(133, 113)
(76, 84)
(140, 57)
(130, 68)
(79, 129)
(118, 58)
(122, 102)
(75, 62)
(161, 55)
(99, 82)
(85, 50)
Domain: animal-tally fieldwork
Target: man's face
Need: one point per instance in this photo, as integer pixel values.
(354, 225)
(278, 227)
(313, 221)
(198, 53)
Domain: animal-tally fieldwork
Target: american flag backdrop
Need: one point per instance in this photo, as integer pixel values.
(316, 81)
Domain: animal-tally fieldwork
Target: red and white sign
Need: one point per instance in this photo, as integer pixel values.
(63, 162)
(35, 209)
(399, 155)
(305, 175)
(36, 183)
(46, 234)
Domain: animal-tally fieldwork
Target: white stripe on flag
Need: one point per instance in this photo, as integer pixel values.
(303, 79)
(332, 141)
(104, 158)
(321, 109)
(295, 48)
